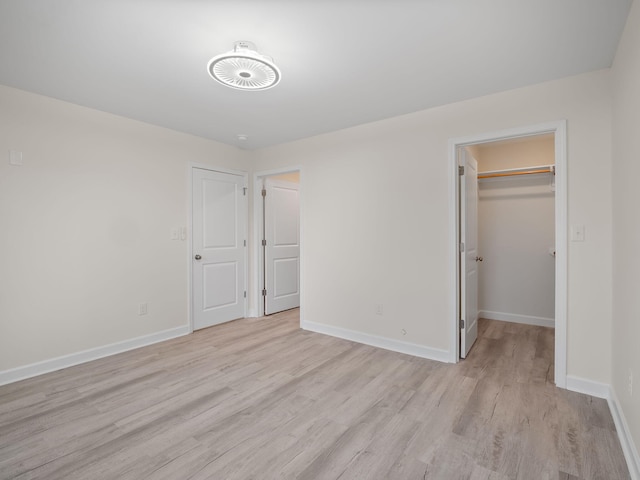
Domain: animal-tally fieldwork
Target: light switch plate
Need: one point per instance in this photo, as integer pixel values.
(577, 233)
(15, 158)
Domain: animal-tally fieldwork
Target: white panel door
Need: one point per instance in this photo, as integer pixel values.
(282, 250)
(219, 226)
(469, 257)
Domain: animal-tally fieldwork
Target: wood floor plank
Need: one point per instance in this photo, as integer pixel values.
(382, 454)
(263, 399)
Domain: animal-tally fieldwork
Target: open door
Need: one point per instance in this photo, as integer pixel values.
(468, 251)
(281, 245)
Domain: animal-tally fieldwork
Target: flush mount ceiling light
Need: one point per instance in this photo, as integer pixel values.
(244, 68)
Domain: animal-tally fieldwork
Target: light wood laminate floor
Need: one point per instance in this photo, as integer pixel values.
(262, 399)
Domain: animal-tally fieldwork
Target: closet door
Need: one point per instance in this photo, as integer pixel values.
(282, 249)
(469, 257)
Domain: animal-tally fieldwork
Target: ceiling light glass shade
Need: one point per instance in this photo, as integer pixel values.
(244, 68)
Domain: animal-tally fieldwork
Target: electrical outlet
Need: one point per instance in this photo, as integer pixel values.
(142, 308)
(630, 383)
(379, 309)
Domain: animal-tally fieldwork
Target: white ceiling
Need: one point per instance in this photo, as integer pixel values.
(343, 62)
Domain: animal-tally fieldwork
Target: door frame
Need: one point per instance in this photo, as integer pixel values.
(203, 166)
(258, 264)
(559, 129)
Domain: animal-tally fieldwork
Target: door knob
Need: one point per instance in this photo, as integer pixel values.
(198, 257)
(479, 259)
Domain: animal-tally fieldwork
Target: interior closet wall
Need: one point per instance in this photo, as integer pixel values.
(516, 234)
(293, 177)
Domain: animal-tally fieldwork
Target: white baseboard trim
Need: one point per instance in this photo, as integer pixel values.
(602, 390)
(589, 387)
(376, 341)
(58, 363)
(624, 434)
(516, 318)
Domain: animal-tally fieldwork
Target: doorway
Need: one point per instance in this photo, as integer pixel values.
(461, 265)
(277, 233)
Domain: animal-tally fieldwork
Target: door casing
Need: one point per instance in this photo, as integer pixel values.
(559, 129)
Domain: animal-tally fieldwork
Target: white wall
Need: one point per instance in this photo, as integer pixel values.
(516, 229)
(626, 228)
(86, 226)
(375, 216)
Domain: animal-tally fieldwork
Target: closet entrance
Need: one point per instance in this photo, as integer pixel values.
(510, 260)
(516, 230)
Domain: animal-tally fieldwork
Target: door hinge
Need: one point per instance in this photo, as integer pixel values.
(460, 169)
(245, 294)
(264, 292)
(461, 323)
(264, 192)
(461, 247)
(264, 243)
(244, 191)
(245, 243)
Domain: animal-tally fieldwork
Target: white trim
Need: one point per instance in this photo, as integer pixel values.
(245, 176)
(189, 246)
(206, 166)
(257, 251)
(517, 318)
(602, 390)
(588, 387)
(454, 257)
(559, 129)
(509, 133)
(624, 434)
(302, 256)
(562, 248)
(258, 177)
(376, 341)
(58, 363)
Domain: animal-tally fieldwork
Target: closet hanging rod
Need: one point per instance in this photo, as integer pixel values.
(518, 171)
